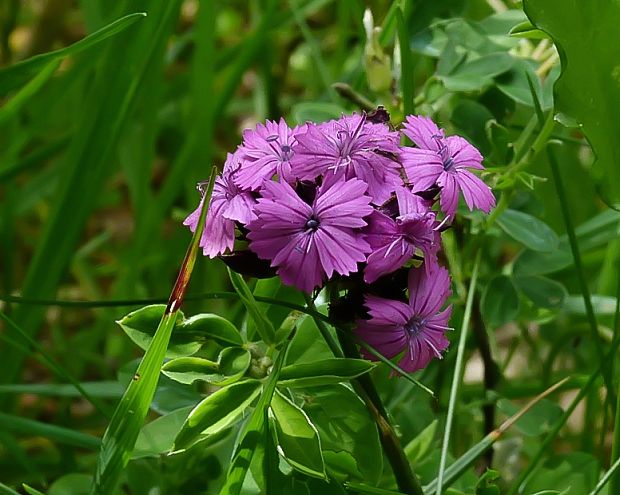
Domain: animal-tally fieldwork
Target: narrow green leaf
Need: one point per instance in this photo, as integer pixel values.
(120, 436)
(263, 325)
(528, 230)
(323, 372)
(59, 434)
(298, 439)
(253, 431)
(527, 30)
(17, 74)
(420, 446)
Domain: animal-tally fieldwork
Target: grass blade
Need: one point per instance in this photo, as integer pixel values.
(406, 65)
(458, 372)
(254, 429)
(122, 432)
(458, 467)
(263, 326)
(17, 74)
(59, 434)
(608, 475)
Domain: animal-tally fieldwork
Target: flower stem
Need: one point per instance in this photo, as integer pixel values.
(364, 387)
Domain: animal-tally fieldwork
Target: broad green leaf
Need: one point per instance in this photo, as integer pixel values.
(71, 484)
(307, 345)
(298, 439)
(570, 474)
(477, 73)
(531, 262)
(500, 302)
(211, 326)
(528, 230)
(218, 411)
(140, 326)
(188, 335)
(588, 89)
(419, 446)
(323, 372)
(542, 291)
(347, 429)
(17, 74)
(189, 369)
(232, 364)
(157, 437)
(316, 112)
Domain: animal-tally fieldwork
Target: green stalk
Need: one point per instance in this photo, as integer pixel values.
(405, 478)
(406, 65)
(120, 436)
(585, 290)
(458, 372)
(608, 475)
(615, 452)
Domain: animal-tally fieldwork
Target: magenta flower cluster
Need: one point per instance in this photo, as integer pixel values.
(325, 201)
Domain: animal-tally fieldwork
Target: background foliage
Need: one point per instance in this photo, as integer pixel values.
(104, 136)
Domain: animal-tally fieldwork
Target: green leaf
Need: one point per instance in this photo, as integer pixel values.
(71, 484)
(264, 327)
(316, 112)
(588, 88)
(349, 430)
(477, 73)
(539, 419)
(297, 438)
(188, 335)
(323, 372)
(543, 292)
(17, 74)
(217, 412)
(189, 369)
(531, 262)
(140, 325)
(212, 326)
(527, 30)
(528, 230)
(157, 437)
(500, 302)
(253, 431)
(307, 345)
(232, 364)
(419, 446)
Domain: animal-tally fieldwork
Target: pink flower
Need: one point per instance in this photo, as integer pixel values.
(444, 161)
(309, 242)
(417, 328)
(228, 205)
(394, 242)
(266, 151)
(354, 147)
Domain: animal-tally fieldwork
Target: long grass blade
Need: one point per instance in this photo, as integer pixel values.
(122, 432)
(458, 372)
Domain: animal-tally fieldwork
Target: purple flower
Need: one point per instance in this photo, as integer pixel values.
(228, 205)
(310, 242)
(394, 242)
(444, 161)
(417, 328)
(354, 147)
(266, 151)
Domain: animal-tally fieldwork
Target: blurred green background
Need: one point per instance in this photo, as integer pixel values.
(101, 147)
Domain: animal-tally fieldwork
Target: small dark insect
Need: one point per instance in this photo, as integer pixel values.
(136, 377)
(379, 115)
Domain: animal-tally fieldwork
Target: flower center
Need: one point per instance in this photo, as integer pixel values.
(312, 224)
(287, 152)
(414, 326)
